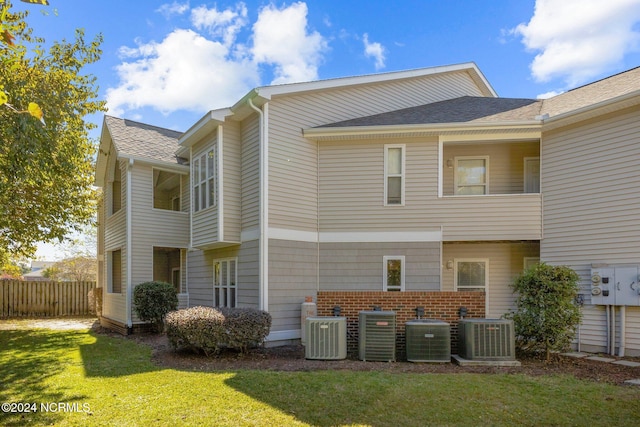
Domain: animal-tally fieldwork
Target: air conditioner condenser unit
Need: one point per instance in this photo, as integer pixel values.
(428, 340)
(326, 338)
(377, 336)
(486, 339)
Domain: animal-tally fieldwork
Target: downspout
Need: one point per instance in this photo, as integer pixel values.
(129, 242)
(264, 208)
(219, 182)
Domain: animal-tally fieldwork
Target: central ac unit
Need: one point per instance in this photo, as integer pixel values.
(428, 340)
(486, 339)
(326, 338)
(377, 336)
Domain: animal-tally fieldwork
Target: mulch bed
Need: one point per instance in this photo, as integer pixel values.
(291, 359)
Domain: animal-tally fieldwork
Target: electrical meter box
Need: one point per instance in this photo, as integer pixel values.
(615, 285)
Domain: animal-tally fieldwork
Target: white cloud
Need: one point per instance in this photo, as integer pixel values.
(184, 71)
(207, 67)
(225, 24)
(550, 94)
(579, 39)
(175, 8)
(280, 38)
(374, 50)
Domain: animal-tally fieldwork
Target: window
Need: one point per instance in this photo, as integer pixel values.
(394, 159)
(225, 275)
(114, 260)
(204, 172)
(167, 264)
(532, 174)
(116, 190)
(471, 274)
(472, 175)
(393, 279)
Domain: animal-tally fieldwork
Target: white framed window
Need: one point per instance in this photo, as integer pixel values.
(531, 174)
(393, 276)
(394, 166)
(471, 274)
(203, 172)
(225, 279)
(471, 175)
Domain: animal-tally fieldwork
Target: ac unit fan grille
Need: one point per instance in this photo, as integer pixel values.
(428, 341)
(487, 339)
(377, 336)
(326, 338)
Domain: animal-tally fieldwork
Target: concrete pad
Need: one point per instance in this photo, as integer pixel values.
(576, 355)
(633, 382)
(500, 363)
(601, 359)
(627, 363)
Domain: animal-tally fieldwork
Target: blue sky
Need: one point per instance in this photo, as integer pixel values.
(168, 63)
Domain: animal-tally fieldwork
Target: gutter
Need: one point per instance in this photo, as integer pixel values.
(263, 280)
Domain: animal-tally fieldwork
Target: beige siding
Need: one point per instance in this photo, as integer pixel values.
(591, 209)
(360, 266)
(151, 227)
(250, 173)
(292, 276)
(293, 159)
(200, 274)
(505, 263)
(352, 196)
(232, 181)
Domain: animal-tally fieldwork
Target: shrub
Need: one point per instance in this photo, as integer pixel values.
(208, 330)
(95, 301)
(153, 300)
(547, 315)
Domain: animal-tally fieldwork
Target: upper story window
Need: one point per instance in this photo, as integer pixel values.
(394, 165)
(393, 279)
(203, 171)
(116, 190)
(472, 175)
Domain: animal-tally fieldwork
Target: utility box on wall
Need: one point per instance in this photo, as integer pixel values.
(615, 285)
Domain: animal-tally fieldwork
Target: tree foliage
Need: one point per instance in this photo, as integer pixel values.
(74, 269)
(46, 166)
(547, 314)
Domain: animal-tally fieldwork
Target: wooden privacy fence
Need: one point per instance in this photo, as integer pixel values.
(44, 299)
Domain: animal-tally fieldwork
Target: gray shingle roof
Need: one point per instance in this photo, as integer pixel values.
(457, 110)
(143, 141)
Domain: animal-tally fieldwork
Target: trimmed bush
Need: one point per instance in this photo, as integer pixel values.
(208, 330)
(153, 300)
(547, 315)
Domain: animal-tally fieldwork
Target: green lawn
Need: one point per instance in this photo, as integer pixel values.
(86, 379)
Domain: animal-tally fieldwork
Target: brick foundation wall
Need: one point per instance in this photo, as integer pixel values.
(437, 305)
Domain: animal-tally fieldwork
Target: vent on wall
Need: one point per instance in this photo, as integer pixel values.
(377, 336)
(326, 338)
(486, 339)
(428, 340)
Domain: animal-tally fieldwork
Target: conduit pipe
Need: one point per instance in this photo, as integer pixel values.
(622, 330)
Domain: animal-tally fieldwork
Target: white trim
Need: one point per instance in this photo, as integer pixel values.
(441, 161)
(402, 174)
(191, 210)
(292, 334)
(380, 236)
(129, 199)
(234, 274)
(294, 235)
(385, 264)
(249, 234)
(486, 278)
(219, 186)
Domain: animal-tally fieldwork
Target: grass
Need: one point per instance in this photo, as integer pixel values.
(112, 381)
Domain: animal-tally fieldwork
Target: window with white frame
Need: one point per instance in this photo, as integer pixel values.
(394, 162)
(203, 171)
(471, 175)
(225, 279)
(114, 271)
(393, 278)
(471, 274)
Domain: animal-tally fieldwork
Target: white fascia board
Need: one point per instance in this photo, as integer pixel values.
(382, 130)
(285, 89)
(203, 126)
(158, 164)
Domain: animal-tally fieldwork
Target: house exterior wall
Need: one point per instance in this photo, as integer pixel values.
(293, 163)
(505, 261)
(351, 186)
(591, 209)
(231, 183)
(204, 227)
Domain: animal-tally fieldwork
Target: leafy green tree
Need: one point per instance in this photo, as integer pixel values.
(547, 314)
(46, 155)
